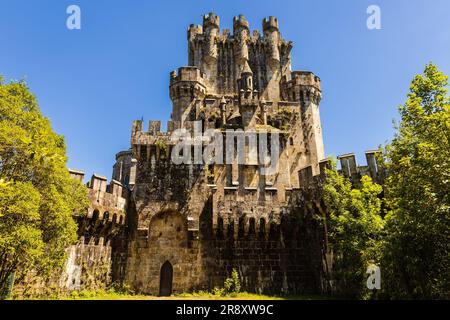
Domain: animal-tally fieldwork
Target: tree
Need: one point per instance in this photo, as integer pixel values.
(21, 243)
(354, 230)
(416, 249)
(38, 197)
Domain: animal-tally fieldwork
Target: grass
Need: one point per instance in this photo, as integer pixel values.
(201, 295)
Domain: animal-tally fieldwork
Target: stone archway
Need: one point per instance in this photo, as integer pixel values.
(167, 247)
(165, 279)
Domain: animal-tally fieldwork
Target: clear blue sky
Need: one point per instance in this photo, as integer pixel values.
(93, 82)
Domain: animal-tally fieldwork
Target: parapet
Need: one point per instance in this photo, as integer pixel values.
(154, 127)
(106, 200)
(306, 177)
(173, 125)
(188, 73)
(137, 126)
(105, 197)
(153, 136)
(98, 183)
(211, 20)
(240, 22)
(270, 24)
(374, 169)
(115, 187)
(349, 167)
(305, 78)
(301, 86)
(77, 174)
(194, 30)
(123, 154)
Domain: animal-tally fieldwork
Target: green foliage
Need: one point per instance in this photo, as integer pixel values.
(161, 145)
(232, 285)
(20, 236)
(121, 288)
(231, 288)
(417, 247)
(355, 227)
(38, 196)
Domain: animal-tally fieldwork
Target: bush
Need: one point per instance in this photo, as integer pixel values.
(232, 285)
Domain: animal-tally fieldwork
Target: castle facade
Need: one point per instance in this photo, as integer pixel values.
(174, 227)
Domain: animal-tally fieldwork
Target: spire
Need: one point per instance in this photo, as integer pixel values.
(246, 68)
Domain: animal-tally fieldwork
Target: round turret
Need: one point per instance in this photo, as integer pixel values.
(272, 38)
(211, 20)
(270, 24)
(239, 23)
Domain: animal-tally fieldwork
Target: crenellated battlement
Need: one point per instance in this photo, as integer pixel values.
(211, 20)
(190, 74)
(270, 24)
(190, 210)
(235, 181)
(194, 30)
(305, 78)
(374, 168)
(240, 22)
(303, 86)
(107, 207)
(221, 56)
(153, 134)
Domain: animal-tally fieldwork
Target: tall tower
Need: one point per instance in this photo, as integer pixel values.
(239, 86)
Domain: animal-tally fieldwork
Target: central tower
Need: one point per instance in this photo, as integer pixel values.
(184, 215)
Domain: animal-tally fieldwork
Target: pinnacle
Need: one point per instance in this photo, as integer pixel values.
(247, 68)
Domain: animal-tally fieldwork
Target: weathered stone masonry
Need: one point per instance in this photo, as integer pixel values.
(206, 220)
(188, 225)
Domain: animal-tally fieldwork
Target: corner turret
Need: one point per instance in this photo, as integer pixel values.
(272, 37)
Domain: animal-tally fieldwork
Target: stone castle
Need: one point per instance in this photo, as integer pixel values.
(164, 227)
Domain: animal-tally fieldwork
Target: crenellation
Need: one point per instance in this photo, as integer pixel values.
(270, 24)
(77, 174)
(373, 169)
(204, 219)
(154, 127)
(98, 183)
(137, 127)
(239, 23)
(211, 20)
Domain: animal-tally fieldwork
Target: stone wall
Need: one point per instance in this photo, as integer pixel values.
(284, 259)
(88, 266)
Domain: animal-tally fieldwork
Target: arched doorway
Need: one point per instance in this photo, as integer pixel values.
(165, 279)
